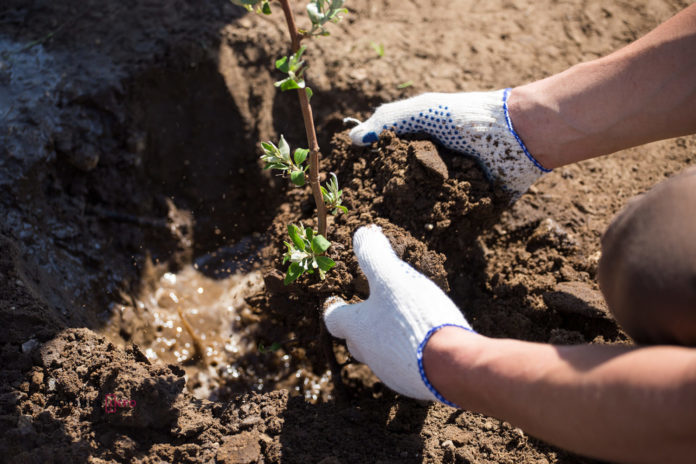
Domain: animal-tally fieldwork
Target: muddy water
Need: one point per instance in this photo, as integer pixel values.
(192, 321)
(205, 326)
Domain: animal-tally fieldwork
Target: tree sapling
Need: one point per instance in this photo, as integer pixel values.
(307, 247)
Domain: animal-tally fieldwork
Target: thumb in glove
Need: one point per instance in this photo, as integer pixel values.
(390, 329)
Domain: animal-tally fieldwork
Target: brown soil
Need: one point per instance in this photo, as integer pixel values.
(129, 149)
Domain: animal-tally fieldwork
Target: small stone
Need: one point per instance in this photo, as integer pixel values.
(242, 448)
(244, 23)
(429, 227)
(251, 421)
(25, 424)
(29, 345)
(448, 444)
(427, 156)
(488, 425)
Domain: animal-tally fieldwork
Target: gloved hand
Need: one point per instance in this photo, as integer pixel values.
(476, 123)
(389, 330)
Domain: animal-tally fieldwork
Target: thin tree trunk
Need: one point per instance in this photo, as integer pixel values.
(314, 153)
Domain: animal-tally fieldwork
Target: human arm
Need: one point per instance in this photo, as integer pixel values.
(619, 403)
(641, 93)
(622, 403)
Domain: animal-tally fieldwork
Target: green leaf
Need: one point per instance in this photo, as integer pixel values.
(310, 234)
(325, 263)
(266, 8)
(320, 244)
(275, 346)
(284, 148)
(278, 166)
(309, 93)
(297, 178)
(298, 55)
(294, 271)
(245, 3)
(404, 85)
(314, 14)
(295, 236)
(282, 64)
(289, 84)
(378, 48)
(342, 208)
(300, 155)
(333, 184)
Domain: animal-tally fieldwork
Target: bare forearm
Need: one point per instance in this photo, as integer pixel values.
(610, 402)
(644, 92)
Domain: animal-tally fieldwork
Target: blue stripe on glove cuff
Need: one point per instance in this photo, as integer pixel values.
(421, 369)
(506, 94)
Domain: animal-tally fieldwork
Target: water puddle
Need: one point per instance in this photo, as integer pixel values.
(205, 326)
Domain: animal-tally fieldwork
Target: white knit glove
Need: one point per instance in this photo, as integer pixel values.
(475, 123)
(389, 330)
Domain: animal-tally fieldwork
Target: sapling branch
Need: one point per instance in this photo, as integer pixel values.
(332, 196)
(307, 247)
(279, 158)
(306, 252)
(310, 131)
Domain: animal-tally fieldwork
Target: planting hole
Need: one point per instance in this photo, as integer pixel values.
(190, 306)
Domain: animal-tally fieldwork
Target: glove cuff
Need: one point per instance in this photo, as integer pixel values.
(506, 95)
(421, 369)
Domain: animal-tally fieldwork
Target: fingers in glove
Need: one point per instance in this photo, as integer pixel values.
(342, 321)
(339, 317)
(373, 250)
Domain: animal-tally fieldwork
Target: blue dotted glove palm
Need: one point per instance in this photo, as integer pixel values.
(474, 123)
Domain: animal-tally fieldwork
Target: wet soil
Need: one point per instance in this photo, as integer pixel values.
(132, 200)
